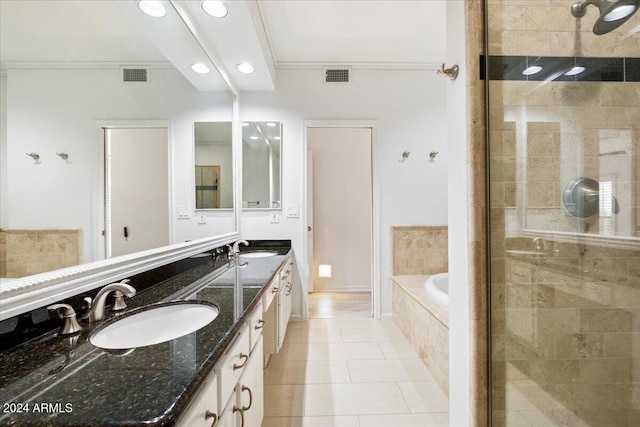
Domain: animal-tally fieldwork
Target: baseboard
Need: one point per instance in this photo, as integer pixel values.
(386, 316)
(295, 318)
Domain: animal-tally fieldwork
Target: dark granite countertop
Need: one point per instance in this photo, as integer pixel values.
(59, 381)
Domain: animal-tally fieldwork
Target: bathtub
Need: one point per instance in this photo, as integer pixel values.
(437, 287)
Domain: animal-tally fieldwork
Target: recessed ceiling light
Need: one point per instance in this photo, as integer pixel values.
(217, 9)
(200, 68)
(152, 8)
(534, 69)
(271, 124)
(245, 68)
(254, 137)
(575, 70)
(245, 124)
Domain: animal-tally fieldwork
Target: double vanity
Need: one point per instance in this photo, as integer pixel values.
(188, 351)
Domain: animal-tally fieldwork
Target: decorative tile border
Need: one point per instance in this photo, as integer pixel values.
(554, 68)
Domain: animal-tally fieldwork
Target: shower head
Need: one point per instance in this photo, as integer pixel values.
(612, 13)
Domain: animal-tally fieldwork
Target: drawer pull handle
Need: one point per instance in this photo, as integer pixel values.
(236, 409)
(246, 408)
(260, 325)
(274, 290)
(210, 414)
(246, 359)
(289, 287)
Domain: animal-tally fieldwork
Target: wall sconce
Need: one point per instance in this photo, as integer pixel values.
(35, 157)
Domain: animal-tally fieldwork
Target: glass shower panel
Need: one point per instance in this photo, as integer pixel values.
(564, 176)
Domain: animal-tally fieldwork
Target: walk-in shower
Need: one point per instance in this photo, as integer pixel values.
(564, 213)
(612, 13)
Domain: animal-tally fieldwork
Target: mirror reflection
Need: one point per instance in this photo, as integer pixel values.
(213, 165)
(72, 75)
(261, 165)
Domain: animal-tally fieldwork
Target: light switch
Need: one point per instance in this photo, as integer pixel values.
(292, 211)
(183, 212)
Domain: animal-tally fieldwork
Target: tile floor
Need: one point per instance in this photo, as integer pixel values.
(339, 304)
(350, 372)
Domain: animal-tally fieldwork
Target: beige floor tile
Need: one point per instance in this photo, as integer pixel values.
(284, 400)
(345, 421)
(330, 351)
(313, 335)
(404, 420)
(353, 399)
(307, 372)
(388, 370)
(372, 335)
(398, 350)
(339, 304)
(424, 397)
(353, 322)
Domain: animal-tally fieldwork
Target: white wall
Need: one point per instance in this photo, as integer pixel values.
(58, 110)
(3, 150)
(459, 330)
(409, 107)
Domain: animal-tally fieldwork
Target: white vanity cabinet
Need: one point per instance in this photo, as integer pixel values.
(203, 409)
(277, 304)
(284, 299)
(240, 377)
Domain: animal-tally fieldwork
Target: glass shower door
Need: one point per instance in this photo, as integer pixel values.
(564, 172)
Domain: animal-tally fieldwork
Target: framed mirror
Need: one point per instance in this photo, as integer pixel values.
(261, 165)
(213, 165)
(70, 73)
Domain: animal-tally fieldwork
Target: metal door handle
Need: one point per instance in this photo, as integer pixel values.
(246, 408)
(244, 362)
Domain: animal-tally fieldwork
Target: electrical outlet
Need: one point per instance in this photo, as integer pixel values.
(292, 211)
(274, 218)
(183, 212)
(202, 219)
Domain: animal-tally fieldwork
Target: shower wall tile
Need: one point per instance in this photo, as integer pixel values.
(419, 249)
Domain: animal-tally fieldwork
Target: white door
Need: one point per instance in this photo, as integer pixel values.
(136, 189)
(342, 210)
(310, 218)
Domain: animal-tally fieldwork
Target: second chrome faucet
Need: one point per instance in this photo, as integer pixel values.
(120, 289)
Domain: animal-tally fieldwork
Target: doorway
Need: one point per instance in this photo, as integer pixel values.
(340, 221)
(136, 189)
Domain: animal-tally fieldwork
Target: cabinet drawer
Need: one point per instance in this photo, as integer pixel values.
(231, 366)
(203, 408)
(227, 416)
(272, 289)
(256, 324)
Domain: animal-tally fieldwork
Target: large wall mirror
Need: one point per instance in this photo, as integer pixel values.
(73, 75)
(261, 165)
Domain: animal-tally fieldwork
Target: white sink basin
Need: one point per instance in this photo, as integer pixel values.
(150, 326)
(257, 254)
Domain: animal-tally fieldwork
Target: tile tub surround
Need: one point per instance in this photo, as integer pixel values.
(419, 249)
(152, 384)
(27, 252)
(424, 323)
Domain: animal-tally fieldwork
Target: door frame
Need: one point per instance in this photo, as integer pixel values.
(307, 275)
(98, 183)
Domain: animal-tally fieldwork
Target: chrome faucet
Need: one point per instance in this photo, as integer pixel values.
(236, 246)
(539, 244)
(71, 325)
(121, 289)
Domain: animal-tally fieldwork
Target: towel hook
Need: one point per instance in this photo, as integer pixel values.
(405, 156)
(35, 157)
(451, 72)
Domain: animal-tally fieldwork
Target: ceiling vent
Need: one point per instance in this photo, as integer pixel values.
(336, 74)
(135, 74)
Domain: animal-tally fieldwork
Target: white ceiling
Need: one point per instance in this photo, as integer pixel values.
(270, 34)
